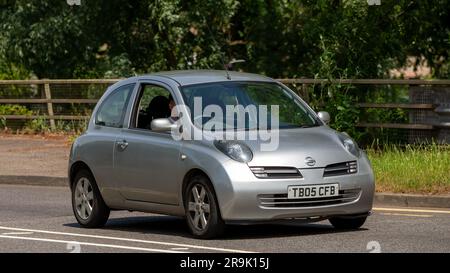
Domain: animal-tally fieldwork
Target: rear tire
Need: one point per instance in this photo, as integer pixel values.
(347, 223)
(87, 203)
(201, 209)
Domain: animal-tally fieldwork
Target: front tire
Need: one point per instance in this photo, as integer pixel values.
(87, 203)
(202, 210)
(347, 223)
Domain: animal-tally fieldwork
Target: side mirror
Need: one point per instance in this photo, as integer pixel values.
(162, 125)
(324, 116)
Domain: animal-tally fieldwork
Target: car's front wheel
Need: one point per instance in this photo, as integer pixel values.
(87, 203)
(347, 223)
(202, 210)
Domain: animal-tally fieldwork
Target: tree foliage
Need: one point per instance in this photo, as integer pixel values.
(279, 38)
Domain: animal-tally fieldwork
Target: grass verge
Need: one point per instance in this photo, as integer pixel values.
(421, 169)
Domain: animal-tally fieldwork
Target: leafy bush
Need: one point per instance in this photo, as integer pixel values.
(337, 99)
(344, 113)
(12, 109)
(2, 122)
(72, 126)
(38, 125)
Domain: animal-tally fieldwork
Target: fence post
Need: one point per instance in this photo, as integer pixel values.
(48, 96)
(305, 92)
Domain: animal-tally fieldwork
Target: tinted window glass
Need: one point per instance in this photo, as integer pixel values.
(112, 110)
(292, 113)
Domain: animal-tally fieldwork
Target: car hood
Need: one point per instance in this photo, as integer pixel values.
(295, 145)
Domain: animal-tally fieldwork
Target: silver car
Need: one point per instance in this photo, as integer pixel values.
(173, 143)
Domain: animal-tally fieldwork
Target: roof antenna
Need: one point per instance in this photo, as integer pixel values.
(229, 66)
(226, 66)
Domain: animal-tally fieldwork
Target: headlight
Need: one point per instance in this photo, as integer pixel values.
(350, 144)
(235, 150)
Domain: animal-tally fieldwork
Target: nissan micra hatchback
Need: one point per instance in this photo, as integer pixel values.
(217, 148)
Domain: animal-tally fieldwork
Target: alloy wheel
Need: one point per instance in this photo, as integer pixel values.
(84, 198)
(199, 207)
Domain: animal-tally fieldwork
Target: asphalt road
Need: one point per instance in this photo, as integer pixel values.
(39, 219)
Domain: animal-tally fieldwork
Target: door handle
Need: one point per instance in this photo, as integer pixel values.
(122, 144)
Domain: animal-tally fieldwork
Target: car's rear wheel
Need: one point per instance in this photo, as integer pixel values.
(87, 203)
(347, 223)
(202, 210)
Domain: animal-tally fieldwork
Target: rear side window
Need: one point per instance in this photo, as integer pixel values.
(112, 110)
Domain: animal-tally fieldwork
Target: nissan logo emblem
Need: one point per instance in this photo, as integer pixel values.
(310, 161)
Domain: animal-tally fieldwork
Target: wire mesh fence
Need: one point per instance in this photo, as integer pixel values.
(382, 111)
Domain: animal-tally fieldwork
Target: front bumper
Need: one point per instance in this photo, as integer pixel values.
(241, 199)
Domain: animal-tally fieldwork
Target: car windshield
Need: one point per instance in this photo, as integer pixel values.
(245, 106)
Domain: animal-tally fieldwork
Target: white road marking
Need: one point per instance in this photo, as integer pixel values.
(126, 239)
(413, 210)
(179, 248)
(404, 214)
(89, 244)
(17, 233)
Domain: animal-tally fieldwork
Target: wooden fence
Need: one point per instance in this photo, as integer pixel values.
(47, 101)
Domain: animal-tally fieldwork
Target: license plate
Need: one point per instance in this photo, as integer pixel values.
(313, 191)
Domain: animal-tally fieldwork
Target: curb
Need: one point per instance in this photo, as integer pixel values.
(412, 200)
(34, 180)
(380, 199)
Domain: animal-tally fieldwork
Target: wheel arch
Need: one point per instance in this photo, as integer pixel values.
(191, 173)
(75, 168)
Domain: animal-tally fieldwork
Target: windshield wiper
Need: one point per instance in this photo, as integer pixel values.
(309, 126)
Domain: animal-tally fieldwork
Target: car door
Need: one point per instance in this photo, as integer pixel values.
(108, 121)
(147, 163)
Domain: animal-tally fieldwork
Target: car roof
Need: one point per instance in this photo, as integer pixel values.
(189, 77)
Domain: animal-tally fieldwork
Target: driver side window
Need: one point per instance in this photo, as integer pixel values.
(153, 102)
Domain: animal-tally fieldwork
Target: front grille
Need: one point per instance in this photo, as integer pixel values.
(276, 172)
(340, 168)
(281, 200)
